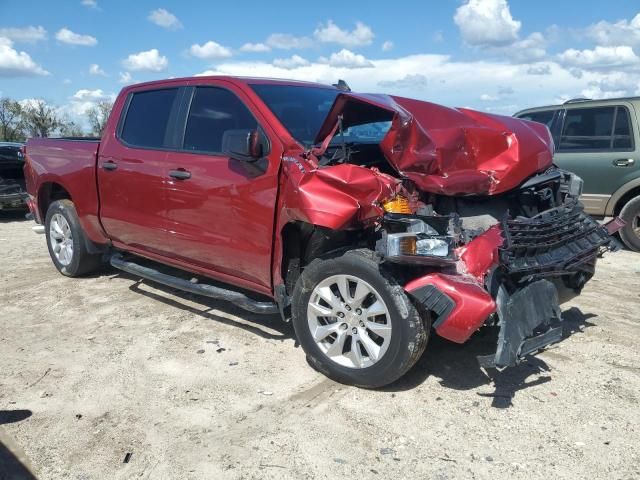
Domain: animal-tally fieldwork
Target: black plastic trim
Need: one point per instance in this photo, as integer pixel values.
(436, 301)
(237, 298)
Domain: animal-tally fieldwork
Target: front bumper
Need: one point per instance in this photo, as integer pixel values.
(516, 275)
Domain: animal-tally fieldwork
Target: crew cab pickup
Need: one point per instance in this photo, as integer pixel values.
(366, 219)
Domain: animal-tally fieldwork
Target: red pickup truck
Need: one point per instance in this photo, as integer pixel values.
(366, 219)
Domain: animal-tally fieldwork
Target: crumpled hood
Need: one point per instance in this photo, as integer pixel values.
(449, 151)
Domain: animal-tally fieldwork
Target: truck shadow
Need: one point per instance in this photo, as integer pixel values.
(456, 365)
(262, 325)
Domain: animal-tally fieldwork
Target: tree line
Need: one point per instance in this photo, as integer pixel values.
(37, 118)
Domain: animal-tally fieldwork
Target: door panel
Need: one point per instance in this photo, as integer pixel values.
(132, 198)
(222, 216)
(131, 173)
(605, 164)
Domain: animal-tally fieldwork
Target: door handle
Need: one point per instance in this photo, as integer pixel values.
(623, 162)
(109, 165)
(180, 174)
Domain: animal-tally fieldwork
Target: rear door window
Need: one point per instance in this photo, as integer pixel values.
(214, 112)
(596, 129)
(147, 118)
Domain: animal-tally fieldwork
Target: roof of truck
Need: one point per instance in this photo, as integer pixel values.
(230, 78)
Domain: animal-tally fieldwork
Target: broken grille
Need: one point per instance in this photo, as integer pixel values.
(556, 242)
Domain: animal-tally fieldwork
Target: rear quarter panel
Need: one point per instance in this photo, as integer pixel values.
(70, 164)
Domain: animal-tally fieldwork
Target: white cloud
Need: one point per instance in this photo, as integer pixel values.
(209, 50)
(255, 47)
(532, 48)
(125, 78)
(165, 19)
(17, 64)
(28, 34)
(414, 81)
(65, 35)
(487, 22)
(150, 61)
(84, 99)
(95, 95)
(623, 32)
(331, 33)
(294, 61)
(489, 98)
(89, 3)
(600, 57)
(346, 58)
(285, 41)
(67, 81)
(612, 85)
(450, 82)
(387, 46)
(94, 69)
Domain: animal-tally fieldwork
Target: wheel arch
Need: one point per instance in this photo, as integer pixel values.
(48, 193)
(622, 196)
(302, 242)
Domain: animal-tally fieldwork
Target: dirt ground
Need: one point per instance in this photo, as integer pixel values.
(105, 377)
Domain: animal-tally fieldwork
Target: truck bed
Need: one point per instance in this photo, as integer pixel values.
(70, 164)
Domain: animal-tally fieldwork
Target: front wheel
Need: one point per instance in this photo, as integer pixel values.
(66, 241)
(356, 325)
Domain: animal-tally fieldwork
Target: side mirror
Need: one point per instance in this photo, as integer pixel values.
(243, 144)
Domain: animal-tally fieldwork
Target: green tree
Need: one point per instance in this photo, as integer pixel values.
(98, 116)
(69, 128)
(11, 125)
(40, 119)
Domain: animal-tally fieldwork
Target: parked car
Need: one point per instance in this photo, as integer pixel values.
(366, 219)
(12, 186)
(599, 140)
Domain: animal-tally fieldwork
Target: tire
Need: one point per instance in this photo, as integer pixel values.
(64, 234)
(403, 333)
(630, 234)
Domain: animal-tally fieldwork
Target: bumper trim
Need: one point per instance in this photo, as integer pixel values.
(439, 303)
(523, 316)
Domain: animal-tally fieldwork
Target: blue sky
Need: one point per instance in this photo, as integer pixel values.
(494, 55)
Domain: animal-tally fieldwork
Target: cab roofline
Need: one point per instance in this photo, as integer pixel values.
(233, 79)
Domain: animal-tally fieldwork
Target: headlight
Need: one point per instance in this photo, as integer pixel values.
(432, 246)
(403, 244)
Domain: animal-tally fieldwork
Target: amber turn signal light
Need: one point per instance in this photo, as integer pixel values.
(397, 205)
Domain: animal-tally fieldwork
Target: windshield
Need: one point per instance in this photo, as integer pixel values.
(301, 109)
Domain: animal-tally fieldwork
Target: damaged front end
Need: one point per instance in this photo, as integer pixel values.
(515, 274)
(464, 209)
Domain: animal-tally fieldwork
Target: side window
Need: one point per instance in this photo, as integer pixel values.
(545, 117)
(588, 129)
(147, 117)
(622, 138)
(215, 111)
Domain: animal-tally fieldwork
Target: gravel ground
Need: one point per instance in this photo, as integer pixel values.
(105, 377)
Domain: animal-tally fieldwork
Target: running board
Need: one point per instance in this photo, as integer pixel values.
(237, 298)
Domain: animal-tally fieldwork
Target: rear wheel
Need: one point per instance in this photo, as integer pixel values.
(66, 241)
(356, 325)
(630, 234)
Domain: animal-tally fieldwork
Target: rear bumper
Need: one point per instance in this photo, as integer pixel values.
(516, 275)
